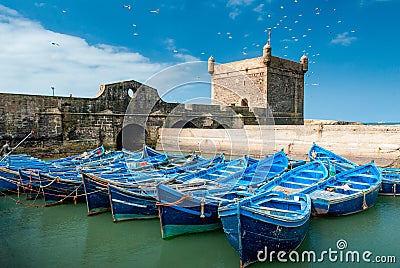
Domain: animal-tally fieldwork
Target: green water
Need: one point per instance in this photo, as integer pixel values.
(64, 236)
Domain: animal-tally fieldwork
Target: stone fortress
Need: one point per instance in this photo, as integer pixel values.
(127, 114)
(265, 81)
(62, 123)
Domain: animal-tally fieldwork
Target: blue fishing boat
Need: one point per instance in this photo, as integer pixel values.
(333, 162)
(336, 164)
(349, 192)
(96, 185)
(390, 182)
(264, 224)
(181, 213)
(259, 171)
(297, 179)
(138, 201)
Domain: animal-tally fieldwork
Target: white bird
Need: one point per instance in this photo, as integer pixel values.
(64, 11)
(127, 6)
(156, 11)
(134, 25)
(202, 53)
(135, 34)
(175, 51)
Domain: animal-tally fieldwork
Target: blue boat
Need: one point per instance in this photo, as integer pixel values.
(182, 214)
(349, 192)
(148, 169)
(336, 164)
(129, 202)
(264, 224)
(260, 171)
(297, 179)
(390, 182)
(333, 162)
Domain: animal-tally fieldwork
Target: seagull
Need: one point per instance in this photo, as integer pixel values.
(175, 51)
(135, 34)
(155, 11)
(202, 53)
(54, 44)
(64, 11)
(134, 25)
(127, 6)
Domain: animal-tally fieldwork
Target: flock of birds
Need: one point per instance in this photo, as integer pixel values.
(293, 32)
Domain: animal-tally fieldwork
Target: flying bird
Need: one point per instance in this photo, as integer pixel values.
(127, 6)
(156, 11)
(54, 43)
(64, 11)
(135, 34)
(175, 51)
(134, 25)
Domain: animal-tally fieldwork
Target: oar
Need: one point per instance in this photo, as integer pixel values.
(30, 133)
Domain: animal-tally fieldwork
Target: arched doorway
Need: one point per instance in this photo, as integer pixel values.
(245, 102)
(131, 137)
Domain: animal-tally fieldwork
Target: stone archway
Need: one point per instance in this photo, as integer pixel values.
(131, 137)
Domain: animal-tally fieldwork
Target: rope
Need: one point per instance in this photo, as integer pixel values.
(185, 196)
(50, 183)
(219, 205)
(202, 208)
(364, 205)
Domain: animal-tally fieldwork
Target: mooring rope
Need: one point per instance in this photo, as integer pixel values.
(364, 206)
(185, 196)
(202, 208)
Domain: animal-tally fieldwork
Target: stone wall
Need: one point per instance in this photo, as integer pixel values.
(359, 143)
(122, 115)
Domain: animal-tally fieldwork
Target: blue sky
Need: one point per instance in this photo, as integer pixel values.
(75, 46)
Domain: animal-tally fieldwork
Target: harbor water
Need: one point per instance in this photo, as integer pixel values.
(64, 236)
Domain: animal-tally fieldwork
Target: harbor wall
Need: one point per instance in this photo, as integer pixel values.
(359, 143)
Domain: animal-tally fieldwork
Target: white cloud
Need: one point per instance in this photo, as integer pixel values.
(259, 8)
(179, 53)
(33, 59)
(343, 39)
(235, 4)
(239, 3)
(234, 13)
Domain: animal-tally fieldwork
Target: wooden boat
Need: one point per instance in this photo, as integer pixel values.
(333, 162)
(349, 192)
(258, 172)
(265, 223)
(336, 164)
(182, 214)
(297, 179)
(390, 181)
(96, 185)
(138, 201)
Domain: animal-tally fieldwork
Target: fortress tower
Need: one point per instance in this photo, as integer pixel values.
(260, 82)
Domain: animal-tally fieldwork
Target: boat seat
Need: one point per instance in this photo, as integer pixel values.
(305, 178)
(278, 210)
(356, 182)
(311, 171)
(296, 183)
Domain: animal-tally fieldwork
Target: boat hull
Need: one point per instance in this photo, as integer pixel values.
(96, 193)
(391, 188)
(346, 205)
(179, 220)
(129, 205)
